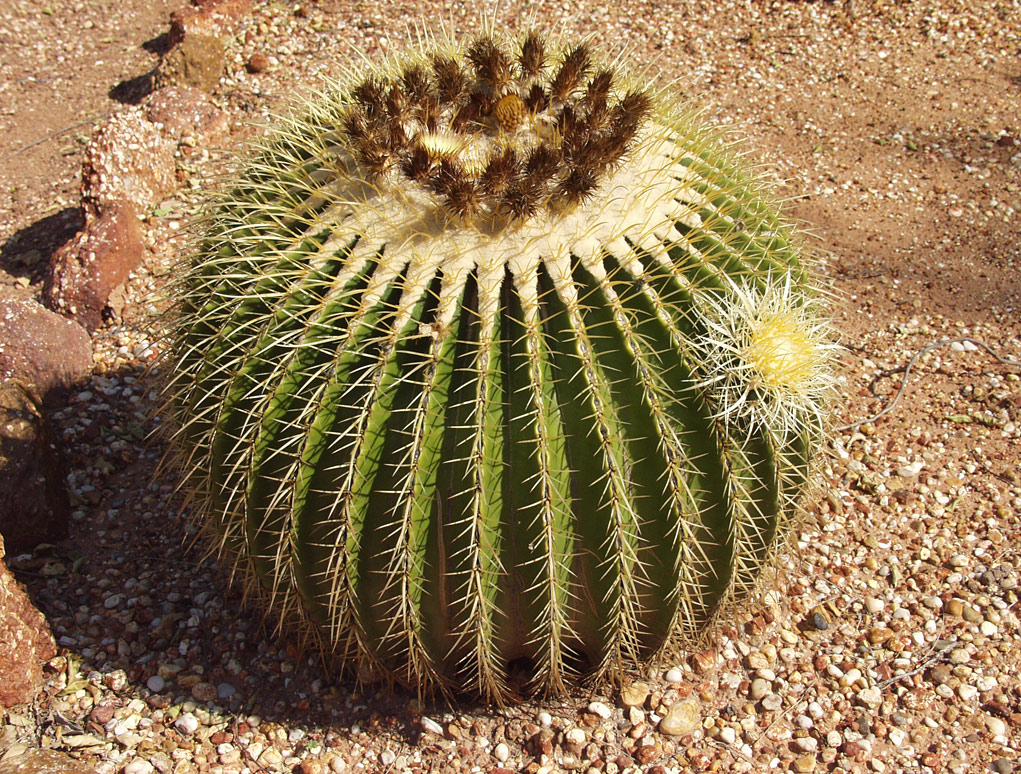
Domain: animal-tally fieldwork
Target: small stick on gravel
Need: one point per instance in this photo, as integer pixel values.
(907, 371)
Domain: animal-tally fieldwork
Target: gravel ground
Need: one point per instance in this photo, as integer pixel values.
(890, 639)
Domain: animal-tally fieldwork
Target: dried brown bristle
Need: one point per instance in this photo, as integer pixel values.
(501, 169)
(415, 82)
(370, 95)
(491, 64)
(451, 81)
(543, 162)
(579, 185)
(533, 56)
(494, 135)
(537, 100)
(462, 198)
(417, 165)
(571, 73)
(594, 103)
(632, 110)
(523, 198)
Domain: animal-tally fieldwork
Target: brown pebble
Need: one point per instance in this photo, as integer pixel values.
(879, 634)
(258, 63)
(310, 766)
(102, 714)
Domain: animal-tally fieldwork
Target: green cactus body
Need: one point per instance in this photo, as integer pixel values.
(493, 356)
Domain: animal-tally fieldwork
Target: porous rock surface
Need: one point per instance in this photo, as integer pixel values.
(87, 270)
(216, 18)
(34, 504)
(182, 111)
(128, 159)
(37, 761)
(42, 348)
(25, 643)
(197, 61)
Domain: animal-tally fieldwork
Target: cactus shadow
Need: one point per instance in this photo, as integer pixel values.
(142, 614)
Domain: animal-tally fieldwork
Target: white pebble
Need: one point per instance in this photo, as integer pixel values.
(871, 696)
(600, 709)
(728, 735)
(850, 677)
(986, 683)
(187, 723)
(139, 766)
(501, 752)
(387, 757)
(967, 692)
(430, 726)
(155, 683)
(911, 470)
(807, 743)
(874, 605)
(545, 719)
(576, 736)
(896, 737)
(996, 726)
(674, 675)
(987, 628)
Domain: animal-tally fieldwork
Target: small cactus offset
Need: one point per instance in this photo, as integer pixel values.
(494, 357)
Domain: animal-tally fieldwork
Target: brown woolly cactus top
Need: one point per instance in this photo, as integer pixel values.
(506, 132)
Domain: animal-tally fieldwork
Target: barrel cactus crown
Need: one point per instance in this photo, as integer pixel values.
(493, 359)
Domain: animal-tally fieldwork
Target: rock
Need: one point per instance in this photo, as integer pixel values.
(996, 726)
(25, 643)
(759, 689)
(187, 724)
(186, 111)
(804, 764)
(87, 274)
(634, 694)
(42, 349)
(139, 766)
(128, 160)
(682, 718)
(203, 692)
(216, 18)
(197, 61)
(34, 504)
(600, 709)
(258, 63)
(674, 675)
(43, 762)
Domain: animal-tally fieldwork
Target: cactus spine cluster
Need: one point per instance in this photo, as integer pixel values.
(495, 357)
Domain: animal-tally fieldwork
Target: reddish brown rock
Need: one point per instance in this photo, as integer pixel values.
(128, 159)
(42, 349)
(34, 504)
(86, 272)
(37, 761)
(25, 642)
(217, 18)
(186, 111)
(196, 61)
(258, 63)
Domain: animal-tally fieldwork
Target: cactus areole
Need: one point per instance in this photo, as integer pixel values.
(492, 360)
